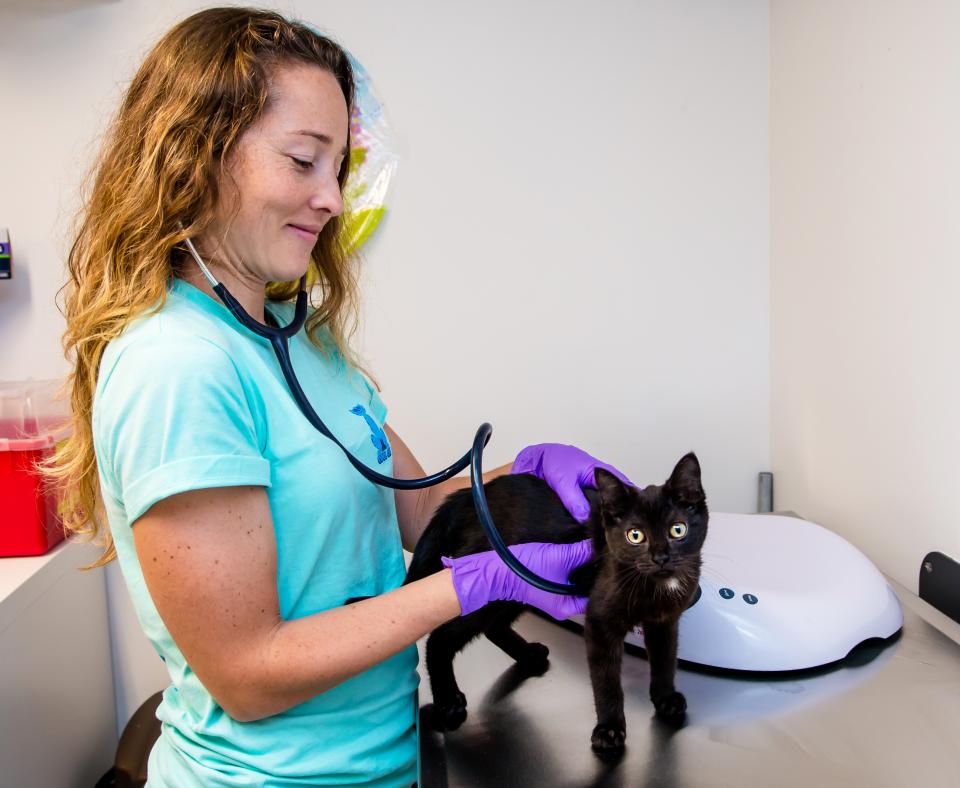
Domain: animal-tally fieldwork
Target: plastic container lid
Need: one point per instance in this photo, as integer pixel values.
(31, 417)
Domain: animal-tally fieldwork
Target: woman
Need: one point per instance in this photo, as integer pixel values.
(241, 532)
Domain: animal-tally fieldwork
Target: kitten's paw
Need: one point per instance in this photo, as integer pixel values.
(671, 708)
(449, 714)
(608, 740)
(534, 659)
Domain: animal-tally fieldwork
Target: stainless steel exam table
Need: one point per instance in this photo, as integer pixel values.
(887, 716)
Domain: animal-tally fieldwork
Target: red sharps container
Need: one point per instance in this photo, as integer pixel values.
(31, 423)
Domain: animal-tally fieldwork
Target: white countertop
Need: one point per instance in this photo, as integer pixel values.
(24, 580)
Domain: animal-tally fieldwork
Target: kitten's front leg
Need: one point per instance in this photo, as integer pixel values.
(660, 639)
(605, 656)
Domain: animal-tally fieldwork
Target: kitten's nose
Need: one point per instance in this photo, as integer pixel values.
(661, 557)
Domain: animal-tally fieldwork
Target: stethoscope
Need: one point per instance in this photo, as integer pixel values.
(279, 339)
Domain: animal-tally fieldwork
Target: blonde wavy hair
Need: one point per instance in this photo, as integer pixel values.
(155, 184)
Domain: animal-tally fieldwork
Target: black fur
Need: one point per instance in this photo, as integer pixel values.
(648, 584)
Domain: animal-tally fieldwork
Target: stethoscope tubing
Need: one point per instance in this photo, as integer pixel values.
(279, 340)
(493, 535)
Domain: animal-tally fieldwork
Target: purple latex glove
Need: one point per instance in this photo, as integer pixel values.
(566, 469)
(480, 578)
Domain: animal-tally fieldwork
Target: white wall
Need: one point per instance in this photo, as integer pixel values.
(865, 170)
(579, 226)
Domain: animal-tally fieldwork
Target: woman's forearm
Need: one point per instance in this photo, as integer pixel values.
(305, 657)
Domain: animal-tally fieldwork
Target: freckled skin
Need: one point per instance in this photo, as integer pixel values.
(634, 579)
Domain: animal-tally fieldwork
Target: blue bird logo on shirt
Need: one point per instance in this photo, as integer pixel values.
(377, 436)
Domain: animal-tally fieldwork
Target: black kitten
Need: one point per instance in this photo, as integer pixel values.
(645, 571)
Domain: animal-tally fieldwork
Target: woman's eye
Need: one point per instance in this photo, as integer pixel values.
(635, 536)
(678, 530)
(303, 164)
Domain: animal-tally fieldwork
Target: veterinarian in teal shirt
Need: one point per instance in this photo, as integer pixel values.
(263, 568)
(189, 399)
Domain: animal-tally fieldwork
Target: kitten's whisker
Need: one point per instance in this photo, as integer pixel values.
(623, 583)
(713, 574)
(639, 585)
(635, 586)
(627, 585)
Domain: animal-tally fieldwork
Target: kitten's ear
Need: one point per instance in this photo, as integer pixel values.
(614, 496)
(685, 482)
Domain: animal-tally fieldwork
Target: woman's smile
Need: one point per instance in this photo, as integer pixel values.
(307, 232)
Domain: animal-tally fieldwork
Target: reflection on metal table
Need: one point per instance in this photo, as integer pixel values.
(889, 715)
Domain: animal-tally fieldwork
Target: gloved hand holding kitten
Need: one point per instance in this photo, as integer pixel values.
(567, 470)
(480, 578)
(483, 577)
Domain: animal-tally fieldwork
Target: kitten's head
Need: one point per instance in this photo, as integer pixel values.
(657, 531)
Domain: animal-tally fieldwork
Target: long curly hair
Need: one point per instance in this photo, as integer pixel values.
(154, 184)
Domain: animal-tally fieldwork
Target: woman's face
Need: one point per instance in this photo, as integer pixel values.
(280, 187)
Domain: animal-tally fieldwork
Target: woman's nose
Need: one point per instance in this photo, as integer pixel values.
(327, 197)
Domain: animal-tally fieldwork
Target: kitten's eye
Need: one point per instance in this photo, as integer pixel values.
(678, 530)
(635, 536)
(691, 509)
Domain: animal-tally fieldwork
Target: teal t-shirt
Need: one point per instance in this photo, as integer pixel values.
(187, 399)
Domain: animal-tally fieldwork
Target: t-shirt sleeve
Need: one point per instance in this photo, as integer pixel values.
(172, 417)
